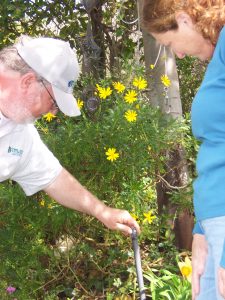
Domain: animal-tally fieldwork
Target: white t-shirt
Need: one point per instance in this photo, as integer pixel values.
(24, 158)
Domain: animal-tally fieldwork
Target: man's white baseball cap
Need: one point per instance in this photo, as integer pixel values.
(55, 61)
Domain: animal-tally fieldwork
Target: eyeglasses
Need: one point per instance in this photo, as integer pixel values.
(55, 105)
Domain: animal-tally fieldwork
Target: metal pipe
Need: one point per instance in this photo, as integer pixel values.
(137, 258)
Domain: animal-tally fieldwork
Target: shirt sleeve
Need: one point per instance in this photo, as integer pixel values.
(38, 168)
(197, 229)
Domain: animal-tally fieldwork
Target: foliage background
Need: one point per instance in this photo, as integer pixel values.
(50, 252)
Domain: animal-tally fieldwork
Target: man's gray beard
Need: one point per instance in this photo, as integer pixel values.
(20, 115)
(30, 120)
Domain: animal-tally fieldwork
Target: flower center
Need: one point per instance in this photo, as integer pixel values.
(186, 271)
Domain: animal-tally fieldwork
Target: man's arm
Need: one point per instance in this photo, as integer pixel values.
(67, 191)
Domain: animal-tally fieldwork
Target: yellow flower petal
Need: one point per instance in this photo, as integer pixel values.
(130, 115)
(111, 154)
(49, 117)
(140, 83)
(149, 217)
(186, 268)
(42, 202)
(130, 96)
(103, 92)
(119, 87)
(165, 80)
(80, 103)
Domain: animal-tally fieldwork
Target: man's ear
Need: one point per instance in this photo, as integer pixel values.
(183, 18)
(27, 79)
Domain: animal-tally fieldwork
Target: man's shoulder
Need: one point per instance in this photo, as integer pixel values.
(23, 135)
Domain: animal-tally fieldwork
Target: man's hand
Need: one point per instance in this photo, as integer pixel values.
(117, 219)
(199, 254)
(221, 281)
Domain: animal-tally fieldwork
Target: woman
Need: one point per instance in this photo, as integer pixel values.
(196, 28)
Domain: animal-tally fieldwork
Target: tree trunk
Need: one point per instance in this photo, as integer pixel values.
(177, 173)
(93, 49)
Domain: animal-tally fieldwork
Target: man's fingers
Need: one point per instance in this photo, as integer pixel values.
(126, 227)
(125, 223)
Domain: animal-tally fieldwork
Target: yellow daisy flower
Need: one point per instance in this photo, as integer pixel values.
(119, 87)
(42, 202)
(165, 80)
(149, 217)
(112, 154)
(103, 92)
(49, 117)
(135, 217)
(186, 268)
(98, 87)
(130, 115)
(152, 67)
(140, 83)
(130, 96)
(80, 103)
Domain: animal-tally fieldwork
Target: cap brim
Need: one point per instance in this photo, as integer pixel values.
(66, 102)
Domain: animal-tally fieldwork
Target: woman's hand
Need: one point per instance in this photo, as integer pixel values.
(199, 254)
(221, 281)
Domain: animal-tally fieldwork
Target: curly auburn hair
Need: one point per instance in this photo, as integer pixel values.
(158, 16)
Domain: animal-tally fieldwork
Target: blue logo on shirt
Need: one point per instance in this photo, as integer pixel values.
(15, 151)
(71, 83)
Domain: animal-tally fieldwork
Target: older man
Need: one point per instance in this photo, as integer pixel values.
(36, 77)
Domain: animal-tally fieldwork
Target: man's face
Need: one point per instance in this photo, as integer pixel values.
(41, 100)
(23, 99)
(186, 40)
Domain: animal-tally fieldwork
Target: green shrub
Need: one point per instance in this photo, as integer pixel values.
(50, 252)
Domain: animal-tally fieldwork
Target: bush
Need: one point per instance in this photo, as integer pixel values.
(116, 149)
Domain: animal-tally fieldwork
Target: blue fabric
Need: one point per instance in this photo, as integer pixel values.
(214, 230)
(197, 229)
(222, 260)
(208, 125)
